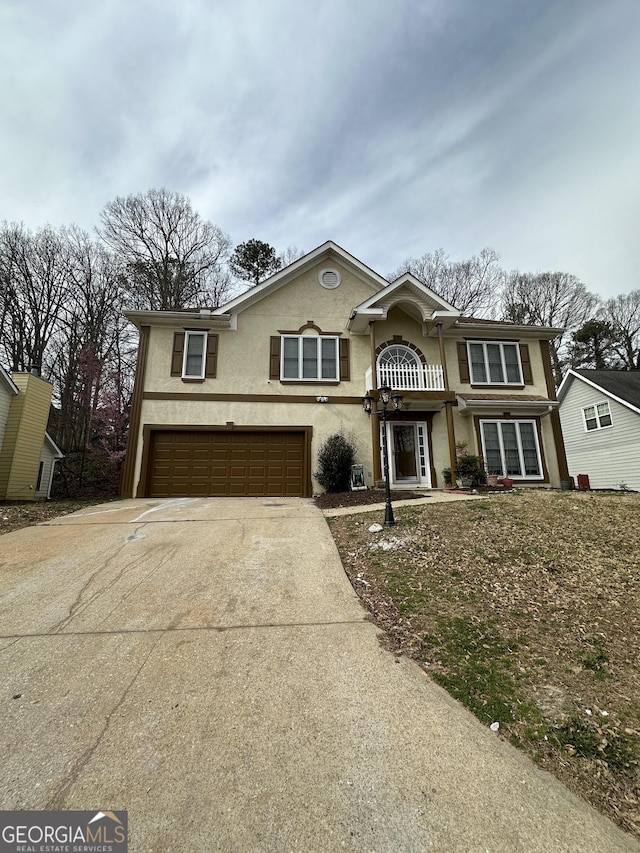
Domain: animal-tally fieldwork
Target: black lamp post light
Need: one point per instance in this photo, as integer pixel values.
(387, 396)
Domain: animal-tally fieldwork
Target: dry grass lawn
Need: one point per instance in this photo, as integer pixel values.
(13, 516)
(525, 607)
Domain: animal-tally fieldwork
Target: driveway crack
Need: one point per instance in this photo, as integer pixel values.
(57, 800)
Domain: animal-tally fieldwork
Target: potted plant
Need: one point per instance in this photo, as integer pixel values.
(470, 470)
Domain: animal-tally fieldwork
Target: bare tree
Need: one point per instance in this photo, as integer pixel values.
(91, 336)
(33, 289)
(555, 299)
(290, 254)
(472, 286)
(623, 313)
(173, 258)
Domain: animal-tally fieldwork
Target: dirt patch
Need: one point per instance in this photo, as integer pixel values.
(524, 607)
(13, 516)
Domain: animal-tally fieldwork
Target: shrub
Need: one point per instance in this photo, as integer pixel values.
(335, 458)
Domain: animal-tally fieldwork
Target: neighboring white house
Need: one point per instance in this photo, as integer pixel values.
(600, 417)
(51, 453)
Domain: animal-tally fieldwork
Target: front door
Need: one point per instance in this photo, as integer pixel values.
(404, 453)
(408, 453)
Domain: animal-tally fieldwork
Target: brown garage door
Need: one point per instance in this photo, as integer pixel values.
(207, 464)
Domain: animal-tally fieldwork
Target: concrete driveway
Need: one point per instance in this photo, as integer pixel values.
(205, 665)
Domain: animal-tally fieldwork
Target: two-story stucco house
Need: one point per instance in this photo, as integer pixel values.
(238, 400)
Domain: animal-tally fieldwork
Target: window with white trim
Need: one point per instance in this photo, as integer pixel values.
(195, 354)
(307, 357)
(494, 363)
(597, 416)
(510, 448)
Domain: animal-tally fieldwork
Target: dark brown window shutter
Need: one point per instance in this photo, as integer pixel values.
(177, 354)
(345, 367)
(211, 365)
(274, 360)
(463, 362)
(527, 373)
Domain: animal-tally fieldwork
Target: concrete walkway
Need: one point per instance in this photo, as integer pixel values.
(205, 665)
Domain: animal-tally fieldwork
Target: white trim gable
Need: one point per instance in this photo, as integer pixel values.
(53, 447)
(8, 381)
(406, 288)
(327, 251)
(571, 375)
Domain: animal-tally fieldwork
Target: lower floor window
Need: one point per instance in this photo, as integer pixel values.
(511, 448)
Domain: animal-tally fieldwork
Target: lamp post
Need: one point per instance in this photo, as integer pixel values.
(386, 397)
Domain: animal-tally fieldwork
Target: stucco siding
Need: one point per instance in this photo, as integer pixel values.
(243, 353)
(610, 456)
(325, 419)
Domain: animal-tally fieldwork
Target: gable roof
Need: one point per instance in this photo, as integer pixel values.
(6, 380)
(53, 447)
(326, 252)
(621, 385)
(427, 304)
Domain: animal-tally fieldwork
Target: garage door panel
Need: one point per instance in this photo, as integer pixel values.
(217, 463)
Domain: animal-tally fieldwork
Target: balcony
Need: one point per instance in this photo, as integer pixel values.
(407, 377)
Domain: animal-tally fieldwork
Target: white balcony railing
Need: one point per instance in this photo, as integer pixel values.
(407, 377)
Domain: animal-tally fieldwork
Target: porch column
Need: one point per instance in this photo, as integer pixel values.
(448, 406)
(375, 421)
(554, 417)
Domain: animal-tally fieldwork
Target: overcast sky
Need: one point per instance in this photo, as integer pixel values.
(392, 127)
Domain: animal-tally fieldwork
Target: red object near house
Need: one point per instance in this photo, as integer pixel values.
(583, 481)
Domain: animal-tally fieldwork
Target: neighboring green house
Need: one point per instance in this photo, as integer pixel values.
(28, 454)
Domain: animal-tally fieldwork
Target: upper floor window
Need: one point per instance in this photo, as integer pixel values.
(195, 353)
(597, 417)
(494, 363)
(309, 357)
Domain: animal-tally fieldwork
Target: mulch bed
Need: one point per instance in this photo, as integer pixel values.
(364, 497)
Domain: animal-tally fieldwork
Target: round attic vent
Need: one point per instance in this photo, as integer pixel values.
(329, 278)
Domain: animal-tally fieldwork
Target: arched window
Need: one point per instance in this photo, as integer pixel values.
(399, 367)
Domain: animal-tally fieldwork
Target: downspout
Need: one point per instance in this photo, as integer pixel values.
(128, 468)
(448, 407)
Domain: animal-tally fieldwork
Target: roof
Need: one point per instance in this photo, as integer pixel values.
(326, 252)
(424, 304)
(621, 385)
(476, 320)
(53, 447)
(478, 325)
(6, 380)
(526, 403)
(505, 398)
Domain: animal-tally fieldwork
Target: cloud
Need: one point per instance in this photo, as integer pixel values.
(392, 127)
